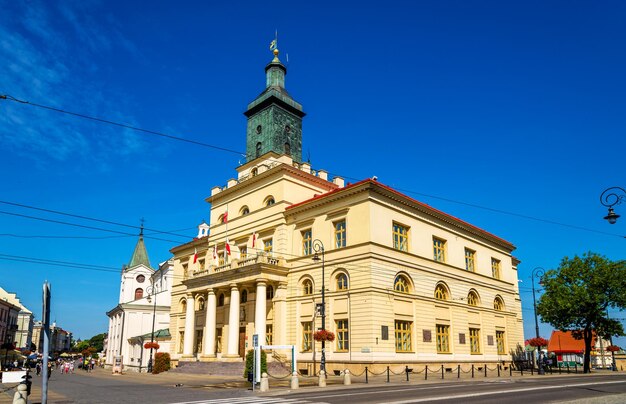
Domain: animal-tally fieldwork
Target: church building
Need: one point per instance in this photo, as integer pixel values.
(401, 281)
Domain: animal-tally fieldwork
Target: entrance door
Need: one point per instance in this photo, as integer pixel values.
(242, 342)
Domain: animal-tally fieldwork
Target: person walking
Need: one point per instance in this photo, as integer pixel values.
(38, 368)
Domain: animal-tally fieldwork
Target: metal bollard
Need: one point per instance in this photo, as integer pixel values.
(322, 379)
(575, 367)
(346, 378)
(265, 383)
(365, 374)
(406, 369)
(511, 370)
(532, 370)
(485, 370)
(472, 370)
(387, 374)
(20, 395)
(498, 370)
(426, 373)
(458, 371)
(295, 383)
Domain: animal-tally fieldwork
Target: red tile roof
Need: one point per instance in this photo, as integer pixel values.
(564, 342)
(334, 191)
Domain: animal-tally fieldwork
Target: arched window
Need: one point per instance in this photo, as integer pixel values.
(244, 296)
(287, 149)
(254, 172)
(441, 292)
(183, 306)
(307, 287)
(269, 292)
(401, 284)
(244, 211)
(138, 293)
(342, 282)
(269, 201)
(498, 304)
(472, 298)
(258, 149)
(220, 300)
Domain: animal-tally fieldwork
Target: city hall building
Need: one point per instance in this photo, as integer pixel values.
(403, 282)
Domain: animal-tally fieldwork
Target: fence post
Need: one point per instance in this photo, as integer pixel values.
(365, 374)
(511, 369)
(532, 370)
(521, 369)
(407, 373)
(387, 374)
(559, 366)
(426, 373)
(485, 370)
(441, 371)
(575, 367)
(472, 370)
(458, 371)
(498, 370)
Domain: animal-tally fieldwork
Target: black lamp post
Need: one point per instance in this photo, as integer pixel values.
(537, 274)
(151, 291)
(319, 247)
(611, 197)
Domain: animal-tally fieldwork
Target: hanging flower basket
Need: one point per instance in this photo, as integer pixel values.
(612, 348)
(538, 342)
(151, 345)
(323, 335)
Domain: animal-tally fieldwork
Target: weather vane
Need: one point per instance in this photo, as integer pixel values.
(274, 46)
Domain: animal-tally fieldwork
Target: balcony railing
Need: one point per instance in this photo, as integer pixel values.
(238, 263)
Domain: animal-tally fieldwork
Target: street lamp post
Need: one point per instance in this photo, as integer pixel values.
(537, 274)
(611, 197)
(151, 292)
(318, 247)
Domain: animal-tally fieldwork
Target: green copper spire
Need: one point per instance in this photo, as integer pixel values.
(274, 118)
(140, 255)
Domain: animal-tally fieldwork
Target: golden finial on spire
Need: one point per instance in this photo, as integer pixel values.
(274, 47)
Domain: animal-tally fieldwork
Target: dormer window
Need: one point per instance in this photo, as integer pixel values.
(269, 201)
(258, 148)
(244, 211)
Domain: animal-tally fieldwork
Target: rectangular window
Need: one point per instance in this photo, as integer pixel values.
(218, 340)
(500, 342)
(439, 249)
(470, 260)
(198, 347)
(185, 271)
(267, 245)
(269, 334)
(307, 242)
(403, 335)
(181, 341)
(495, 268)
(243, 252)
(400, 237)
(443, 338)
(220, 259)
(201, 265)
(307, 336)
(474, 336)
(340, 234)
(342, 336)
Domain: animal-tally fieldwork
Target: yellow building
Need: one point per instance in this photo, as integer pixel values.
(403, 282)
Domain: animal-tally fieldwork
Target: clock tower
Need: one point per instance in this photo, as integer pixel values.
(274, 118)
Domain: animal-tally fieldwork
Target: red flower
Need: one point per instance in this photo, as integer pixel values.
(323, 335)
(612, 348)
(538, 342)
(151, 345)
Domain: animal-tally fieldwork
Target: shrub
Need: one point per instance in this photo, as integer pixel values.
(161, 362)
(250, 362)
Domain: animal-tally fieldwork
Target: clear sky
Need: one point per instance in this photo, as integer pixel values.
(509, 115)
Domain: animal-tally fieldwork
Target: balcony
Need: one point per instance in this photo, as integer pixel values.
(249, 261)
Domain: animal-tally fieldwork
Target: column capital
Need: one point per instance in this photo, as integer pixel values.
(233, 286)
(261, 282)
(210, 291)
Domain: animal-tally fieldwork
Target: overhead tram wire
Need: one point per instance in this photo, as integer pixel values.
(83, 226)
(80, 237)
(57, 212)
(500, 211)
(122, 125)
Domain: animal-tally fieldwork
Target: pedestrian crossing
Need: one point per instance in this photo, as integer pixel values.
(252, 399)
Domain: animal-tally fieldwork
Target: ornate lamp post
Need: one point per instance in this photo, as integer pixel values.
(318, 247)
(611, 197)
(151, 292)
(537, 274)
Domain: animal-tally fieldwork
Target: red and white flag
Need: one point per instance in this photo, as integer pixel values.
(214, 253)
(227, 247)
(195, 255)
(225, 217)
(253, 238)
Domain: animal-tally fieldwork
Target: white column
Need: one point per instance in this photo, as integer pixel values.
(210, 324)
(280, 314)
(189, 326)
(233, 323)
(260, 312)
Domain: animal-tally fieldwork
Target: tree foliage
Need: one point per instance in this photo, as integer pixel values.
(161, 362)
(578, 294)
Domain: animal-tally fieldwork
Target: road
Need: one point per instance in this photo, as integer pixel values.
(101, 387)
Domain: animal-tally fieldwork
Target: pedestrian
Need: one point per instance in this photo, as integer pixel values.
(38, 368)
(49, 369)
(72, 367)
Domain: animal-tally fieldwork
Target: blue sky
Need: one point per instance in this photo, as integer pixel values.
(514, 107)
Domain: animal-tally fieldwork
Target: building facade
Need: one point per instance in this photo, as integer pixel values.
(143, 307)
(403, 282)
(60, 339)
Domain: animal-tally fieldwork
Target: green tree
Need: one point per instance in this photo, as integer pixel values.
(578, 294)
(80, 346)
(97, 342)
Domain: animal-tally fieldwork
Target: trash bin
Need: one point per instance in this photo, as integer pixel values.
(250, 376)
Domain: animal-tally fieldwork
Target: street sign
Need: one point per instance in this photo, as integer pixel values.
(255, 340)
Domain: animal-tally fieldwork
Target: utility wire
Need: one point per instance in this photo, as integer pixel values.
(89, 218)
(528, 217)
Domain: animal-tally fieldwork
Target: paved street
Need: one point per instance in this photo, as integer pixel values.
(176, 388)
